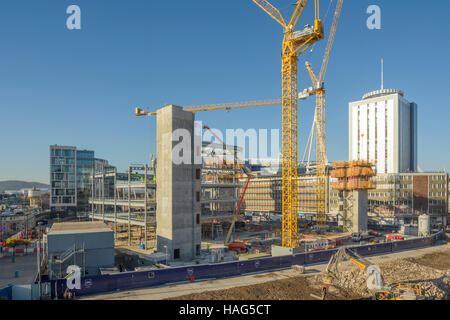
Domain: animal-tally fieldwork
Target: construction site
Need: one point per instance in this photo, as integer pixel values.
(206, 204)
(199, 211)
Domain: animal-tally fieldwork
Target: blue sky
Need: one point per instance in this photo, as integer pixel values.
(79, 87)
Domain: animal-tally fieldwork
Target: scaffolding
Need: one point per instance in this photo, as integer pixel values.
(352, 175)
(127, 202)
(220, 183)
(264, 194)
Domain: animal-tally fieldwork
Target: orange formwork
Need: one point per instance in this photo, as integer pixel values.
(352, 175)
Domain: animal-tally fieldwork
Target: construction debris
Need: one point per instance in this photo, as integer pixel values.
(435, 283)
(430, 271)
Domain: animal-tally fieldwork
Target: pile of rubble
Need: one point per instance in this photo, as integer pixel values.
(435, 283)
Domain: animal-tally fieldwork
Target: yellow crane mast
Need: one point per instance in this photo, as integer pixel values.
(319, 91)
(294, 44)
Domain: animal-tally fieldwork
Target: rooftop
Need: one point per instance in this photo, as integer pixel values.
(383, 92)
(78, 227)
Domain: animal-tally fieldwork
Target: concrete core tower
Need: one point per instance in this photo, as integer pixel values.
(178, 185)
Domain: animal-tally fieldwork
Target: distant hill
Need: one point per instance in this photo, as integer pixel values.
(17, 185)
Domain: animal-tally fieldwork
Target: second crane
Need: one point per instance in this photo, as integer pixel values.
(294, 44)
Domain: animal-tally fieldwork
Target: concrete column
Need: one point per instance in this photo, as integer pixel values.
(359, 210)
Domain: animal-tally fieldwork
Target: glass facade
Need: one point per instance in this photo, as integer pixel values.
(70, 178)
(62, 176)
(85, 169)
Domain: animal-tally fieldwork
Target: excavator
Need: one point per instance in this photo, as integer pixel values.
(375, 282)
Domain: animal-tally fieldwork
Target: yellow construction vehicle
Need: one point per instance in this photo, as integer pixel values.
(375, 282)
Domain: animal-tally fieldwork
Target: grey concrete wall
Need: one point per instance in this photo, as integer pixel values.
(177, 187)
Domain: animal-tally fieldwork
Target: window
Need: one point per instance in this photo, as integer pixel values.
(198, 218)
(198, 196)
(197, 174)
(197, 250)
(56, 169)
(176, 254)
(56, 184)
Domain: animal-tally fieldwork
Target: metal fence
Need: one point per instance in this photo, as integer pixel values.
(153, 278)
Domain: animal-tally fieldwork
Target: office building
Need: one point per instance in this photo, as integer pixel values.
(383, 130)
(70, 178)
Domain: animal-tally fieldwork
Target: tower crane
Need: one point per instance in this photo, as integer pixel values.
(218, 106)
(294, 44)
(318, 90)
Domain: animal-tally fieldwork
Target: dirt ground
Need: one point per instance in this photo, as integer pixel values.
(439, 261)
(297, 288)
(431, 271)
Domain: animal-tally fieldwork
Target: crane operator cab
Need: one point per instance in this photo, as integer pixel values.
(308, 32)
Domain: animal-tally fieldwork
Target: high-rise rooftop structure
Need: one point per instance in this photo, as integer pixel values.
(383, 130)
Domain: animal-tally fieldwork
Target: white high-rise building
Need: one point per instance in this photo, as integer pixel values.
(383, 129)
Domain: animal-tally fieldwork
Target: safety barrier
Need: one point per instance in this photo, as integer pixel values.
(318, 257)
(10, 251)
(385, 228)
(373, 249)
(438, 236)
(409, 244)
(158, 277)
